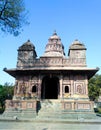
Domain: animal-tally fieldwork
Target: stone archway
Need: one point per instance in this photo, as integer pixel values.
(50, 88)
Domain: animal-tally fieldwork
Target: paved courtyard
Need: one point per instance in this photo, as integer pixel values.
(13, 125)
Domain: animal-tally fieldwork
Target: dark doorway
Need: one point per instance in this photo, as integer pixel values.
(50, 88)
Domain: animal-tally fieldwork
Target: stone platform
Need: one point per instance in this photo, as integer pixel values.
(49, 109)
(49, 115)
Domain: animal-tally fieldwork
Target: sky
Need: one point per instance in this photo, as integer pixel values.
(72, 19)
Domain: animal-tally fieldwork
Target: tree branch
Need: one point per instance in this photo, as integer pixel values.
(3, 9)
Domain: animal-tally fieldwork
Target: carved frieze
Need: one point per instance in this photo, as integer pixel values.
(52, 62)
(84, 106)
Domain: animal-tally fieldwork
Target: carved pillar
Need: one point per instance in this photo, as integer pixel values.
(61, 87)
(18, 87)
(39, 87)
(86, 80)
(15, 88)
(72, 85)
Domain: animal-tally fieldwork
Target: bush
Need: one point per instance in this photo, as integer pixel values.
(99, 110)
(1, 110)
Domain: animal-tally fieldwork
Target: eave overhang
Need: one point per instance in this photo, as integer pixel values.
(49, 70)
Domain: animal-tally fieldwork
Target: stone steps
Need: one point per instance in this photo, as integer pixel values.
(53, 109)
(19, 113)
(50, 109)
(67, 116)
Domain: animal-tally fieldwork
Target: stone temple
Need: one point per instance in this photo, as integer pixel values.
(53, 85)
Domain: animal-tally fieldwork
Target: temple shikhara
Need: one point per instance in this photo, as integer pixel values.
(53, 84)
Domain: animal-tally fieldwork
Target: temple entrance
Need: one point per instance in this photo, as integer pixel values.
(50, 88)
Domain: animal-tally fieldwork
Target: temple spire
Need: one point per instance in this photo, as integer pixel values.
(54, 46)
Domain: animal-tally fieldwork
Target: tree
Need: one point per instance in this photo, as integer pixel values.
(94, 87)
(12, 16)
(6, 92)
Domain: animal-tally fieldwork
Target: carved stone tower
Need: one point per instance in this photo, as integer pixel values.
(26, 54)
(54, 47)
(77, 51)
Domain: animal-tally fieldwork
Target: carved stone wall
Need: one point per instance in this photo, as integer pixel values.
(53, 62)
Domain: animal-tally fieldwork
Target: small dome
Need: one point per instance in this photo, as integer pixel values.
(77, 45)
(27, 46)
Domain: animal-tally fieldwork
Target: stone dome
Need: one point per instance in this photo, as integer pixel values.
(77, 45)
(27, 46)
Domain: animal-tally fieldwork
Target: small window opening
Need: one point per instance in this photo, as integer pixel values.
(34, 88)
(66, 89)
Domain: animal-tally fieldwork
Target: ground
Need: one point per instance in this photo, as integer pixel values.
(31, 125)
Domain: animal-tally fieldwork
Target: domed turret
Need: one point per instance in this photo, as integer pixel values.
(77, 50)
(27, 46)
(26, 54)
(77, 45)
(54, 47)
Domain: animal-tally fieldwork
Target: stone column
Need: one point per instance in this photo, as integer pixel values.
(15, 88)
(86, 83)
(18, 87)
(61, 87)
(39, 87)
(72, 85)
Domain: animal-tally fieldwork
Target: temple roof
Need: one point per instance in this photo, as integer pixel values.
(27, 46)
(53, 60)
(77, 45)
(54, 47)
(74, 70)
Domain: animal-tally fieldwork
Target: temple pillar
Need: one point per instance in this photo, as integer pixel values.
(61, 87)
(39, 87)
(72, 85)
(86, 87)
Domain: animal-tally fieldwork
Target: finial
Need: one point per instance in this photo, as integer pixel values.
(54, 32)
(28, 40)
(76, 39)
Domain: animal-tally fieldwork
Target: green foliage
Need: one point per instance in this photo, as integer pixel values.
(99, 110)
(12, 16)
(94, 87)
(6, 92)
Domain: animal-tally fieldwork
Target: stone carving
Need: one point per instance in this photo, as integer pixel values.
(68, 106)
(79, 89)
(83, 106)
(54, 46)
